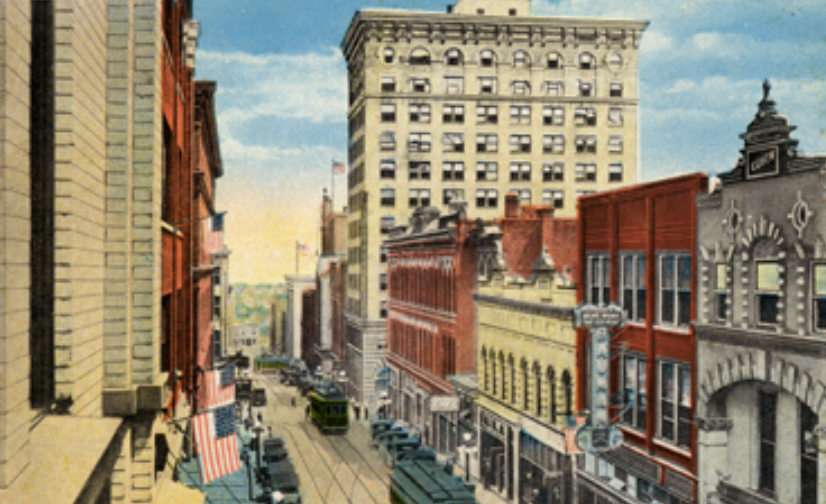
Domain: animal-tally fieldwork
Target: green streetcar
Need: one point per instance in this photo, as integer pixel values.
(423, 480)
(329, 409)
(271, 362)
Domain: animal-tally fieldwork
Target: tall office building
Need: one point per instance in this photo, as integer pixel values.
(471, 104)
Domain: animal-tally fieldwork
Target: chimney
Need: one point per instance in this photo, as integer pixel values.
(511, 206)
(546, 217)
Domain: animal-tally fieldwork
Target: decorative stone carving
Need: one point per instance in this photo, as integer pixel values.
(713, 424)
(800, 215)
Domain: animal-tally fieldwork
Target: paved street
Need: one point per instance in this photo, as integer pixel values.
(332, 469)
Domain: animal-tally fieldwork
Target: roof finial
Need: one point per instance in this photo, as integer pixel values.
(767, 87)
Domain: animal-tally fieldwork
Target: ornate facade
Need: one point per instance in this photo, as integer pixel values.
(761, 322)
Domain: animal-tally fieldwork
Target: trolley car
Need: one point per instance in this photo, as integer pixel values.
(268, 363)
(423, 480)
(329, 409)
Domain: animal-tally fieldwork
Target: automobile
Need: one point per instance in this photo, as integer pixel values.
(393, 432)
(379, 425)
(397, 448)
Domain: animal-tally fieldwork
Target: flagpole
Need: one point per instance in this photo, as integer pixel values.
(296, 258)
(333, 185)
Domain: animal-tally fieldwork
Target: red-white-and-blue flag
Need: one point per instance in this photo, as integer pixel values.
(339, 167)
(214, 429)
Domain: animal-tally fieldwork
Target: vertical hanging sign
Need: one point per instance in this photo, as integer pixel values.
(597, 433)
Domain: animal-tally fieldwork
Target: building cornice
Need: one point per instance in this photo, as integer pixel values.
(529, 306)
(397, 25)
(813, 346)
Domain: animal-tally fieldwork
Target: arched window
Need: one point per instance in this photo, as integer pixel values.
(485, 377)
(587, 61)
(537, 373)
(487, 58)
(568, 386)
(512, 367)
(453, 57)
(525, 386)
(502, 375)
(615, 60)
(552, 393)
(493, 371)
(555, 60)
(419, 56)
(521, 59)
(389, 53)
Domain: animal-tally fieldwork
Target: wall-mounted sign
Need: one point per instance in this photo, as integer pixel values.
(762, 162)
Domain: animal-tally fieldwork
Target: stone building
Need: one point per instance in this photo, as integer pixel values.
(296, 284)
(430, 319)
(761, 322)
(637, 249)
(83, 381)
(473, 103)
(526, 353)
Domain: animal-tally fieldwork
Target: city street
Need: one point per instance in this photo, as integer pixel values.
(332, 469)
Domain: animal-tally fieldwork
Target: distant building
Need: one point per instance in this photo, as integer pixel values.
(309, 327)
(247, 338)
(296, 284)
(638, 249)
(221, 292)
(474, 103)
(761, 323)
(526, 360)
(278, 321)
(430, 319)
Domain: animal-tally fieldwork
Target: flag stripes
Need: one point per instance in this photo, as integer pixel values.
(217, 456)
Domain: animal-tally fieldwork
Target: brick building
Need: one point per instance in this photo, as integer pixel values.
(526, 352)
(637, 248)
(430, 315)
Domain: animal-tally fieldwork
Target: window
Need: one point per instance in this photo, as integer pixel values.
(615, 60)
(585, 88)
(419, 198)
(553, 172)
(486, 142)
(615, 116)
(383, 281)
(520, 87)
(453, 113)
(449, 195)
(615, 172)
(453, 170)
(819, 296)
(523, 194)
(768, 438)
(511, 12)
(553, 115)
(453, 57)
(633, 285)
(419, 170)
(520, 114)
(486, 114)
(586, 61)
(388, 54)
(520, 144)
(388, 112)
(615, 143)
(520, 172)
(387, 169)
(768, 291)
(598, 281)
(487, 198)
(383, 309)
(615, 91)
(387, 141)
(554, 61)
(453, 142)
(487, 171)
(586, 144)
(487, 85)
(585, 116)
(388, 197)
(383, 248)
(553, 144)
(675, 402)
(521, 59)
(487, 58)
(388, 84)
(586, 172)
(633, 381)
(720, 291)
(419, 142)
(419, 56)
(420, 112)
(420, 85)
(553, 197)
(454, 85)
(675, 289)
(387, 221)
(554, 88)
(808, 455)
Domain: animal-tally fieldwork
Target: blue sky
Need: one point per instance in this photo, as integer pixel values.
(282, 98)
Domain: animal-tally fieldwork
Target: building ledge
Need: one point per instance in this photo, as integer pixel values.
(72, 458)
(757, 337)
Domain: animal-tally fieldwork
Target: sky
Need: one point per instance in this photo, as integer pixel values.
(282, 99)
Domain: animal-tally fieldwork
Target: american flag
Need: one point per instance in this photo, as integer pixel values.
(338, 167)
(214, 429)
(303, 247)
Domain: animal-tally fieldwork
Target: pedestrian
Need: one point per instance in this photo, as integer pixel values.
(293, 401)
(307, 412)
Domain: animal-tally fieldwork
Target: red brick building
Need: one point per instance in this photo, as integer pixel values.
(430, 314)
(637, 248)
